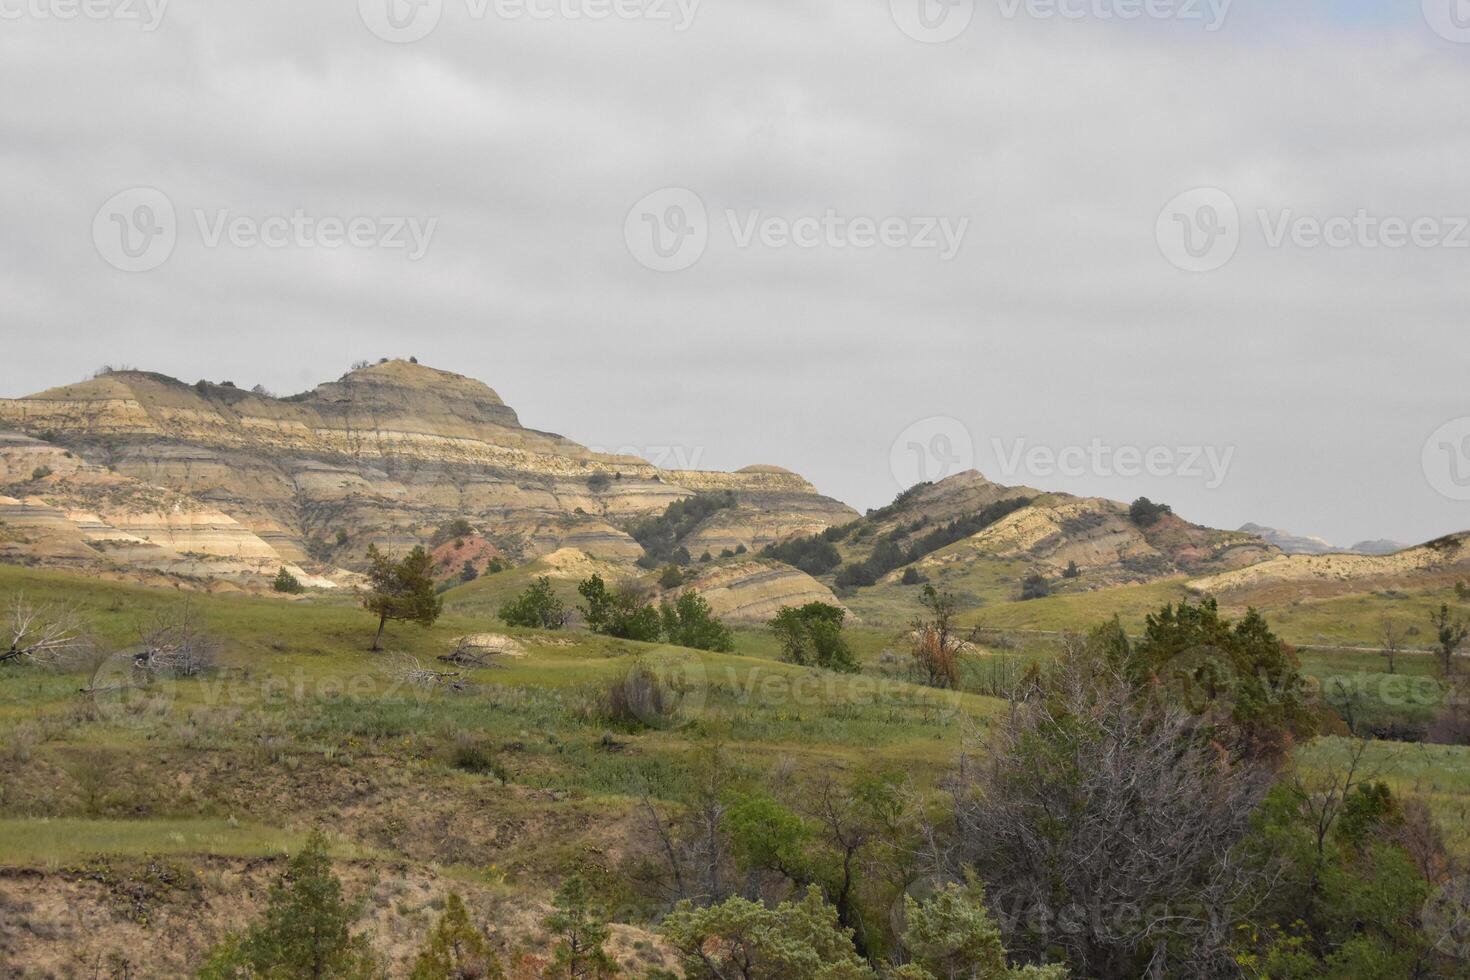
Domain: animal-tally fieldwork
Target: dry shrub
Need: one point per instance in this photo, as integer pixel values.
(638, 699)
(936, 657)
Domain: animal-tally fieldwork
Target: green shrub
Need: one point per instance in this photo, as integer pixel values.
(1146, 513)
(286, 582)
(689, 622)
(623, 612)
(1035, 586)
(538, 607)
(811, 635)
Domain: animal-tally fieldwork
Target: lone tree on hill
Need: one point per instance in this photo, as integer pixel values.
(402, 589)
(1449, 632)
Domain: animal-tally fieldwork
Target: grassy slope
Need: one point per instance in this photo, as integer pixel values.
(305, 727)
(303, 707)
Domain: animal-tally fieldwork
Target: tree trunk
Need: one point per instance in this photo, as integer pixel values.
(382, 625)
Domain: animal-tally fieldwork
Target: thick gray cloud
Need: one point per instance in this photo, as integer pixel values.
(1060, 323)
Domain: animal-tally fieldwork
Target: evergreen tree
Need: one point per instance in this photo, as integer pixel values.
(305, 931)
(579, 952)
(401, 590)
(286, 582)
(456, 950)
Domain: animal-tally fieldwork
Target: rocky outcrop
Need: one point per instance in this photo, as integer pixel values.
(1443, 560)
(1100, 537)
(385, 455)
(755, 590)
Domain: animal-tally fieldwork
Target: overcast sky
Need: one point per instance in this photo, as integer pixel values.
(1328, 384)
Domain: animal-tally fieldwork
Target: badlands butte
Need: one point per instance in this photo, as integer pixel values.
(137, 476)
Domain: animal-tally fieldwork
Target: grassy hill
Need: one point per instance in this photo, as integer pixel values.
(137, 805)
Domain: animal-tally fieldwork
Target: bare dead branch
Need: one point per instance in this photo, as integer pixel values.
(44, 634)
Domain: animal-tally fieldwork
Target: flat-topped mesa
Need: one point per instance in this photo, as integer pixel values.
(388, 409)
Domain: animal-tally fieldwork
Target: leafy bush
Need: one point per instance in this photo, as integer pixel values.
(598, 482)
(40, 472)
(1146, 513)
(538, 607)
(457, 528)
(623, 612)
(1035, 586)
(911, 576)
(812, 635)
(1071, 571)
(688, 622)
(671, 578)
